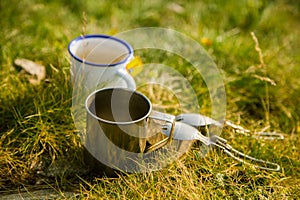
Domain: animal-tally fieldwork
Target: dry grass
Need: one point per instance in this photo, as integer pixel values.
(255, 44)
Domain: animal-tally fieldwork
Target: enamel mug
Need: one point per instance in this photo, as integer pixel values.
(99, 61)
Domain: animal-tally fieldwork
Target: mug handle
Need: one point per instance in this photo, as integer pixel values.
(166, 118)
(123, 73)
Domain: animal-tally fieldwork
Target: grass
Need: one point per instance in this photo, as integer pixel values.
(39, 145)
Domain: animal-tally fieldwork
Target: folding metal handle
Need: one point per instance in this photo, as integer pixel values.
(269, 135)
(162, 117)
(258, 135)
(228, 149)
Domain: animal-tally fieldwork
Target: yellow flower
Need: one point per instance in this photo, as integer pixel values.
(206, 41)
(135, 66)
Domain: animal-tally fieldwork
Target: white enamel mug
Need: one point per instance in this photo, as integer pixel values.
(100, 61)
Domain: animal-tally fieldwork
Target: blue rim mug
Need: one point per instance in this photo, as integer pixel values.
(100, 61)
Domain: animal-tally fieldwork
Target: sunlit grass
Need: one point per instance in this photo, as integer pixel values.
(39, 145)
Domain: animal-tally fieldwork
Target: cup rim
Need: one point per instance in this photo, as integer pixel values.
(128, 46)
(114, 122)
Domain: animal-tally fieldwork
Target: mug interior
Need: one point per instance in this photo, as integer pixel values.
(100, 50)
(119, 105)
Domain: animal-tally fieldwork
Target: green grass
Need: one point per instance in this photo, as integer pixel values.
(37, 132)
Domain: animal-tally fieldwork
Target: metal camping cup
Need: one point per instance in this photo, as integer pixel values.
(100, 60)
(118, 127)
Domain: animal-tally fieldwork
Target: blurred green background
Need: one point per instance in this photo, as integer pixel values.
(36, 124)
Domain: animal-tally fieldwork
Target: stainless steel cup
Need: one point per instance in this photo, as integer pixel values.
(118, 126)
